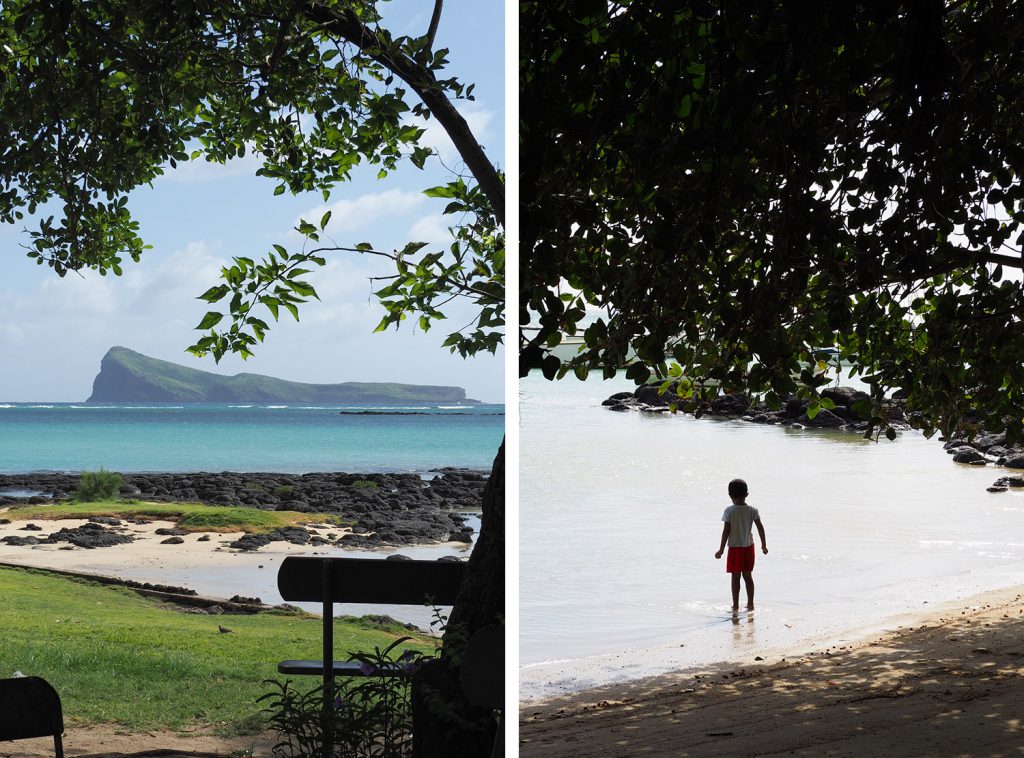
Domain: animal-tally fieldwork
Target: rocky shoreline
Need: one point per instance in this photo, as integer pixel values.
(382, 510)
(792, 413)
(981, 450)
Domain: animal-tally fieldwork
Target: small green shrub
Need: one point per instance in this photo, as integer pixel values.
(283, 490)
(229, 519)
(365, 484)
(98, 485)
(371, 716)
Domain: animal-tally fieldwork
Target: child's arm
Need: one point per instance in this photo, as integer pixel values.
(725, 538)
(760, 531)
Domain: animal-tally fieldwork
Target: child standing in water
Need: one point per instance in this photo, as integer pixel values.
(738, 519)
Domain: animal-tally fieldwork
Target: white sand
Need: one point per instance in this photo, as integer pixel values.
(211, 568)
(145, 557)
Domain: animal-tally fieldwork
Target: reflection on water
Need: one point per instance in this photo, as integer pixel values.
(743, 630)
(620, 517)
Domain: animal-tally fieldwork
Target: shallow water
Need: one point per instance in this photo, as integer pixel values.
(620, 518)
(228, 581)
(19, 492)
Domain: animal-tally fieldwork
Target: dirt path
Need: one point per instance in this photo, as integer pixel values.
(111, 741)
(953, 686)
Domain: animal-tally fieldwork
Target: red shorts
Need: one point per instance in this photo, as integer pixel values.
(740, 559)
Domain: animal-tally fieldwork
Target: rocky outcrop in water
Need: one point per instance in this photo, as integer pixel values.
(985, 449)
(792, 412)
(381, 509)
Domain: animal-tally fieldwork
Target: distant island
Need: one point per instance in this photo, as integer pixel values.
(129, 377)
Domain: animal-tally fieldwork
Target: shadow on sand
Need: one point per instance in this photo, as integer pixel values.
(952, 687)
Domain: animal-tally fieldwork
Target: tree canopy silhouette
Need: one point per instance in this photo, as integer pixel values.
(734, 186)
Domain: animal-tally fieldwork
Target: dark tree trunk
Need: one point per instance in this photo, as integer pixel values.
(481, 600)
(445, 725)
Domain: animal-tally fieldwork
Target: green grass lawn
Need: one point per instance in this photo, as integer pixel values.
(195, 517)
(117, 657)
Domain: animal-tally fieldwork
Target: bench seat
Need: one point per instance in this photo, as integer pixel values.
(341, 668)
(329, 581)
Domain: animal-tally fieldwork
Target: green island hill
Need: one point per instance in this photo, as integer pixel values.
(129, 377)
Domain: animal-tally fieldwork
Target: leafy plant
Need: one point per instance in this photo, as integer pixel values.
(98, 485)
(365, 484)
(295, 716)
(370, 717)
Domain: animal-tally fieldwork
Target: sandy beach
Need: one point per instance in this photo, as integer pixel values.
(203, 561)
(949, 682)
(207, 566)
(144, 559)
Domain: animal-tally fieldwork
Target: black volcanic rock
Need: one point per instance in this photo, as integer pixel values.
(382, 509)
(89, 536)
(129, 377)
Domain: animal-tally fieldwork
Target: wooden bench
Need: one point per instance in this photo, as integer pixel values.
(30, 707)
(329, 581)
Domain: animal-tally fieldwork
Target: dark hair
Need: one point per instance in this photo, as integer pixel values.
(737, 488)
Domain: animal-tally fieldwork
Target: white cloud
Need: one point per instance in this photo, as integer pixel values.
(201, 170)
(432, 228)
(347, 304)
(152, 286)
(174, 279)
(437, 138)
(151, 308)
(348, 216)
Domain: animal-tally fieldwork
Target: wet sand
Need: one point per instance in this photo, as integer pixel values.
(949, 683)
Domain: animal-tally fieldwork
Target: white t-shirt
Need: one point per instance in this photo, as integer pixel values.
(742, 518)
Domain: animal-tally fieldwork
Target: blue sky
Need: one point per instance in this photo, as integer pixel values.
(55, 331)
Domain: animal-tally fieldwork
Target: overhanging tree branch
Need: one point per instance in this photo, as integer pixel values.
(347, 25)
(435, 19)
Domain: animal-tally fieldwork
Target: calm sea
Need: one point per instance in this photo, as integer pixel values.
(620, 518)
(279, 438)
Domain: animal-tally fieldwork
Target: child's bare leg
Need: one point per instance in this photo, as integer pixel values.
(735, 590)
(748, 580)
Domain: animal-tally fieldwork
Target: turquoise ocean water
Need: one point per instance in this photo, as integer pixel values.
(257, 437)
